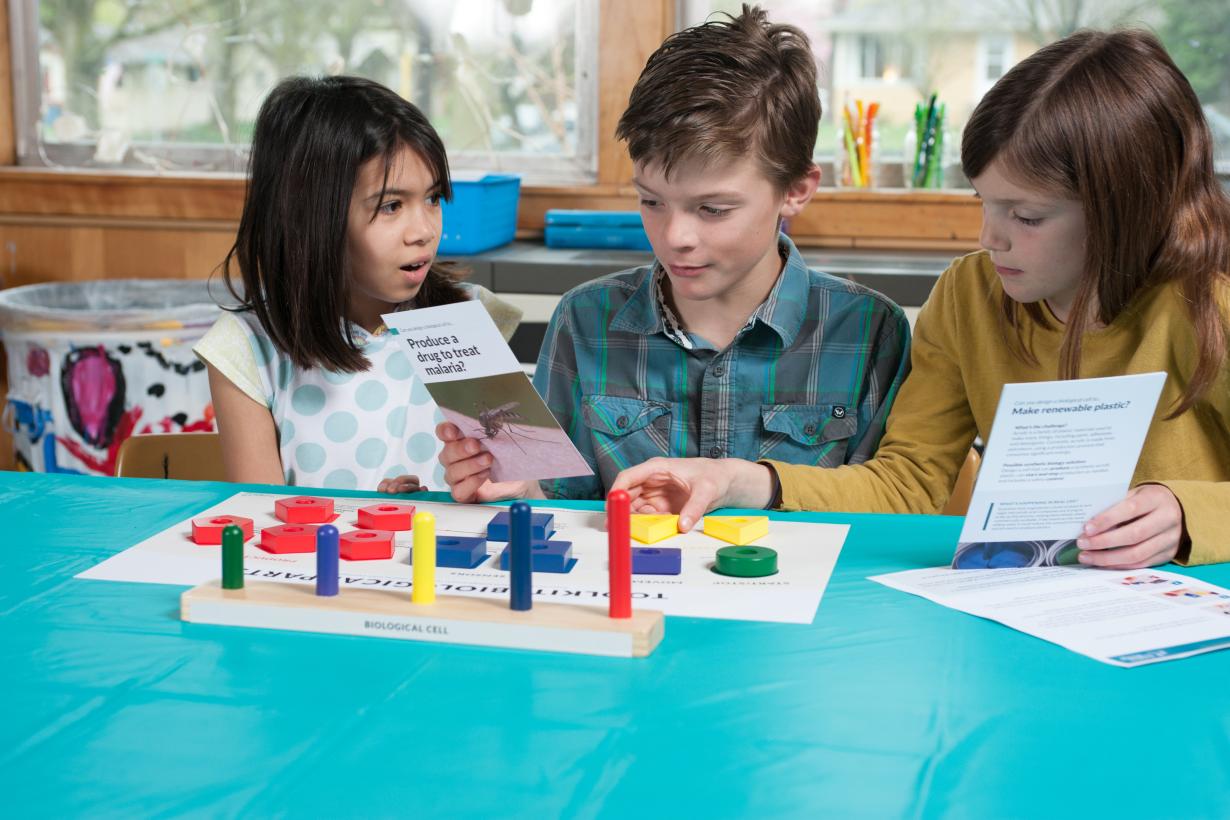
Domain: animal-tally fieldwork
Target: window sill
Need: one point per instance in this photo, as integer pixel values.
(940, 220)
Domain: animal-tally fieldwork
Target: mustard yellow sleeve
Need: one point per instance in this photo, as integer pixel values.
(929, 430)
(1206, 516)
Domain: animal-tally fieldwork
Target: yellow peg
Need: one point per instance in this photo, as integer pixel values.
(423, 559)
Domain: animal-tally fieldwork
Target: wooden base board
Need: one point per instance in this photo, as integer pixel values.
(386, 613)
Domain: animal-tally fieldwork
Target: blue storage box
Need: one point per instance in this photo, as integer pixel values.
(593, 219)
(482, 215)
(595, 229)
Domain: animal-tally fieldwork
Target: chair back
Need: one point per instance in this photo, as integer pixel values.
(190, 456)
(958, 502)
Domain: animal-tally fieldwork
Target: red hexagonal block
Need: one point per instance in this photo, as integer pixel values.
(389, 517)
(286, 538)
(366, 545)
(208, 529)
(304, 509)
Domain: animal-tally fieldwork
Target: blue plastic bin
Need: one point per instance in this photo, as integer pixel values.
(482, 215)
(596, 229)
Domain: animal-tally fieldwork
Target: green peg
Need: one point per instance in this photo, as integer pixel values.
(232, 557)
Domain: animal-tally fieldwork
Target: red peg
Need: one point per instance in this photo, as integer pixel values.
(619, 555)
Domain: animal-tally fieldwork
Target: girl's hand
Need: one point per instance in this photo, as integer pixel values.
(692, 487)
(401, 484)
(1143, 530)
(467, 469)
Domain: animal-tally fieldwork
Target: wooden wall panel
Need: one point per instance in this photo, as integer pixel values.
(164, 254)
(29, 191)
(890, 220)
(48, 252)
(535, 203)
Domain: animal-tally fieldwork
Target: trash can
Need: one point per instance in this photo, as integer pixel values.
(92, 363)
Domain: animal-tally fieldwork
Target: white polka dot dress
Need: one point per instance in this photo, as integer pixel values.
(350, 430)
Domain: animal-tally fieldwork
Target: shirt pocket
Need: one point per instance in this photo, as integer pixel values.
(817, 434)
(627, 431)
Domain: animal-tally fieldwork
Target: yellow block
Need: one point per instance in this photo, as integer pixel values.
(736, 529)
(649, 529)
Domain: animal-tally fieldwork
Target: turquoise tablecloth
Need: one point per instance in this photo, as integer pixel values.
(886, 706)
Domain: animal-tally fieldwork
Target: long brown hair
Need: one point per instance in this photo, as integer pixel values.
(1107, 119)
(727, 89)
(311, 137)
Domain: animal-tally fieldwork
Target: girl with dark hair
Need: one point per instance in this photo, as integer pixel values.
(1106, 239)
(340, 224)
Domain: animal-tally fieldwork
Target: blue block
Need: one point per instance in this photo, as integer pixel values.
(548, 556)
(657, 560)
(542, 527)
(457, 552)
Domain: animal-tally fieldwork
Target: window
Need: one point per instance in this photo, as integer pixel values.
(994, 59)
(870, 57)
(175, 84)
(899, 51)
(886, 59)
(997, 51)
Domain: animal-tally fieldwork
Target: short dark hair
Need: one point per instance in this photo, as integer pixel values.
(311, 137)
(1108, 119)
(725, 89)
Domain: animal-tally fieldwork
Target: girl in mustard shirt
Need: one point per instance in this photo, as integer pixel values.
(1106, 251)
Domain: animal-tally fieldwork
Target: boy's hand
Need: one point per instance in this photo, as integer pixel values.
(692, 487)
(1143, 530)
(467, 469)
(401, 484)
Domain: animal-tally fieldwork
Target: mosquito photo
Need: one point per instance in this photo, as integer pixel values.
(513, 424)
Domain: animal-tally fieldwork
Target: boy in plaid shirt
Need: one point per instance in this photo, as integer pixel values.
(728, 346)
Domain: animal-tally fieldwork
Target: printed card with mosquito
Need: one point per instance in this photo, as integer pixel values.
(478, 384)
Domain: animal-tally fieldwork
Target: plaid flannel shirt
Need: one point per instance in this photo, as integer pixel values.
(808, 380)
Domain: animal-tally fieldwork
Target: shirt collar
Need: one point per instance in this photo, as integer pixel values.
(671, 325)
(640, 313)
(786, 305)
(370, 342)
(646, 311)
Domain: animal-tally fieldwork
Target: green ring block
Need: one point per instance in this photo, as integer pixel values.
(746, 562)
